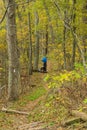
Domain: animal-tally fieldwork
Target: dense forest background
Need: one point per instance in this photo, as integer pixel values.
(53, 28)
(31, 29)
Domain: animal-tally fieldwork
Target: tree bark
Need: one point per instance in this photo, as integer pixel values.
(14, 111)
(64, 34)
(71, 121)
(64, 45)
(49, 20)
(74, 38)
(84, 18)
(30, 43)
(46, 46)
(14, 74)
(81, 115)
(36, 59)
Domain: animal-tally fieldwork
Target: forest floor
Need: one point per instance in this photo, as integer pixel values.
(45, 108)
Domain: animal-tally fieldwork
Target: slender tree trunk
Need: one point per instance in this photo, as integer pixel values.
(36, 59)
(85, 28)
(42, 45)
(13, 75)
(30, 42)
(64, 46)
(46, 46)
(49, 20)
(30, 45)
(74, 38)
(64, 37)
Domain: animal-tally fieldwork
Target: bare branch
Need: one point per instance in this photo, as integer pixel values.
(13, 111)
(4, 15)
(22, 3)
(66, 24)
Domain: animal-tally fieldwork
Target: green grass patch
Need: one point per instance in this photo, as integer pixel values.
(35, 94)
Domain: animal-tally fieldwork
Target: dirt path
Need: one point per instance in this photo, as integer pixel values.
(9, 121)
(20, 122)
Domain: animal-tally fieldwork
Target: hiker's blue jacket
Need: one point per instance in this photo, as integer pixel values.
(44, 59)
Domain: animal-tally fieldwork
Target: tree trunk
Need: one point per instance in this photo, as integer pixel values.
(64, 46)
(46, 46)
(30, 43)
(64, 35)
(74, 38)
(85, 29)
(30, 46)
(36, 59)
(49, 20)
(13, 75)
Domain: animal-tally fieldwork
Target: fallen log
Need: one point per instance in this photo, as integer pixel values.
(79, 114)
(71, 121)
(14, 111)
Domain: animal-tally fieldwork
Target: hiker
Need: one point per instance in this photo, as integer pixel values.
(44, 68)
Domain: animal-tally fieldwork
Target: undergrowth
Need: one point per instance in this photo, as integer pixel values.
(66, 91)
(30, 96)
